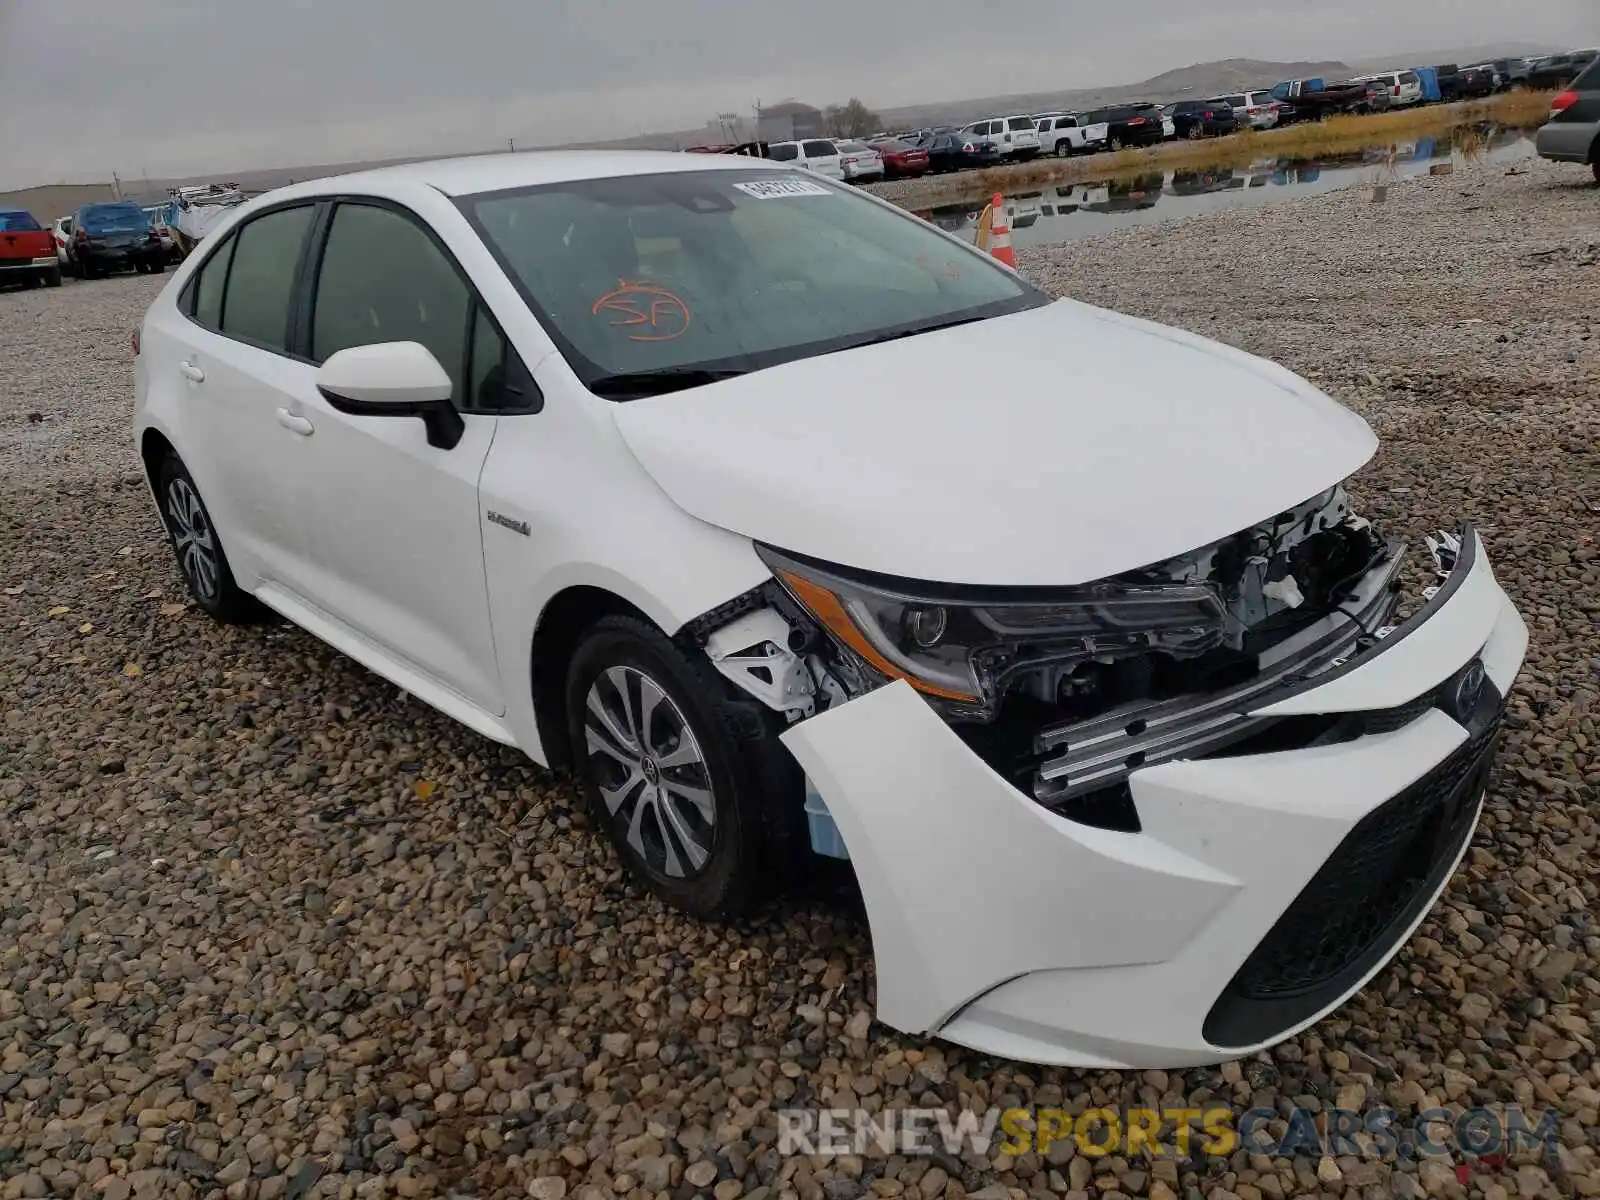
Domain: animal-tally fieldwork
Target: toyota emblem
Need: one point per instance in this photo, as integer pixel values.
(1464, 691)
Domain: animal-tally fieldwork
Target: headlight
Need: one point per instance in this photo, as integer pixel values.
(957, 644)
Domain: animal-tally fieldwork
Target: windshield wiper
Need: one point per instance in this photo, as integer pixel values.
(905, 333)
(631, 385)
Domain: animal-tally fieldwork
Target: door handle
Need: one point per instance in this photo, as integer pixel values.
(295, 423)
(191, 372)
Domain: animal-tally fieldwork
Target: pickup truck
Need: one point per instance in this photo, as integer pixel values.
(1314, 99)
(1063, 134)
(27, 251)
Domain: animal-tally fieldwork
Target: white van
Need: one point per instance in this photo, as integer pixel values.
(814, 154)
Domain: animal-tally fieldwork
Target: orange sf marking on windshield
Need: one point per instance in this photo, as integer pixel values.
(650, 312)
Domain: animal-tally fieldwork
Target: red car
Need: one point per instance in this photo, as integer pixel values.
(27, 251)
(900, 160)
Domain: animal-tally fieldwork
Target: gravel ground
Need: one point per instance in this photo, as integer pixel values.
(268, 928)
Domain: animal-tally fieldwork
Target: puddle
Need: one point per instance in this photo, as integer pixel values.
(1050, 216)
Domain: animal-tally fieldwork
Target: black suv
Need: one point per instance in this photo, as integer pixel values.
(1127, 125)
(1202, 118)
(1573, 134)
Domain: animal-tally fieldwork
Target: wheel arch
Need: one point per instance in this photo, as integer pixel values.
(555, 637)
(153, 447)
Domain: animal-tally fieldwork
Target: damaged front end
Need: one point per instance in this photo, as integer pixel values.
(1067, 691)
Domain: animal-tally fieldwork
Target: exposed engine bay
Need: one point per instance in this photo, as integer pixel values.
(1067, 691)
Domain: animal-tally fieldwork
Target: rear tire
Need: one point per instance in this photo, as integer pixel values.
(52, 277)
(157, 268)
(685, 776)
(198, 547)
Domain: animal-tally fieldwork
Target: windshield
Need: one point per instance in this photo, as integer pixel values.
(18, 222)
(113, 218)
(727, 271)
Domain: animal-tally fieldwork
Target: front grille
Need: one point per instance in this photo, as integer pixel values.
(1364, 896)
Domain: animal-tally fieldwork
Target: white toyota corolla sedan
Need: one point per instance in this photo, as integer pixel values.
(790, 525)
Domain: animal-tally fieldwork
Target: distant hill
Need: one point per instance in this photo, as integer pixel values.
(1197, 81)
(1235, 74)
(1461, 56)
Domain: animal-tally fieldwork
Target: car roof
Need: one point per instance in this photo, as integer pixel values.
(498, 172)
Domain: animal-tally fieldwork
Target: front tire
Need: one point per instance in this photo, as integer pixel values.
(52, 277)
(685, 777)
(198, 547)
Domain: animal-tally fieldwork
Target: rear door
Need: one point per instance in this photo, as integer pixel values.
(392, 521)
(235, 376)
(823, 157)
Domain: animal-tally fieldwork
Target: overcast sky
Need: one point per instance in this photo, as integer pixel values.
(174, 87)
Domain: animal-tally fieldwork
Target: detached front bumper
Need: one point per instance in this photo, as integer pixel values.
(1261, 892)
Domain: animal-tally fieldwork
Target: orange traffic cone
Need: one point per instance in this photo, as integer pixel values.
(1000, 234)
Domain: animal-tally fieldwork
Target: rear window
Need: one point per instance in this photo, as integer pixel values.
(787, 152)
(1019, 123)
(892, 146)
(18, 222)
(1410, 77)
(114, 218)
(1236, 101)
(819, 149)
(851, 147)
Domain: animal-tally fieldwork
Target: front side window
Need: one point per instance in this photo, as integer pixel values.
(383, 279)
(266, 254)
(784, 152)
(727, 271)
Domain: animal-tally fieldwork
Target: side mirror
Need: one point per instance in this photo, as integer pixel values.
(393, 379)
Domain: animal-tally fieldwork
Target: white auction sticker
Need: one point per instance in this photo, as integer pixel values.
(774, 189)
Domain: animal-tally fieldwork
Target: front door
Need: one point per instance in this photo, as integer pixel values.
(393, 522)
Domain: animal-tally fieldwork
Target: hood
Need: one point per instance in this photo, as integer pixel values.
(1052, 447)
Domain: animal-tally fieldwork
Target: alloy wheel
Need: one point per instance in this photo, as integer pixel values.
(650, 771)
(192, 536)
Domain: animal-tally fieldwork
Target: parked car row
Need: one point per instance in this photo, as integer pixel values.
(1018, 137)
(97, 239)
